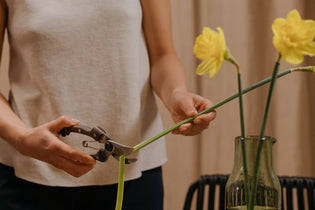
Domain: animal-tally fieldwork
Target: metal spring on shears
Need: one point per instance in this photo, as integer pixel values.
(86, 144)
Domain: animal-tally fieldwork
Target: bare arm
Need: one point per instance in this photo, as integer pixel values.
(41, 142)
(166, 69)
(7, 119)
(167, 72)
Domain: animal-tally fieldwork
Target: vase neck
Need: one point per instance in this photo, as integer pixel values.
(251, 146)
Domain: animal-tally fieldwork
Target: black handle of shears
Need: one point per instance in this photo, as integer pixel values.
(95, 132)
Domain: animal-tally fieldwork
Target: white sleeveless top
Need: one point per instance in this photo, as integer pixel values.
(88, 60)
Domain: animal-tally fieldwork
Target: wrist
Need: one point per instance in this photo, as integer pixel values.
(15, 135)
(173, 96)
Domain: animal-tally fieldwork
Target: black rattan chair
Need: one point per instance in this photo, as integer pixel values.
(288, 184)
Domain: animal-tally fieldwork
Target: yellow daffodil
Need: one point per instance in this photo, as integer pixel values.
(294, 37)
(210, 48)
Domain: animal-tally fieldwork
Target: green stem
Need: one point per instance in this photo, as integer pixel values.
(120, 188)
(246, 185)
(305, 69)
(241, 105)
(210, 109)
(252, 200)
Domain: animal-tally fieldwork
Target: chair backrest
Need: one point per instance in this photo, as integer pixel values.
(207, 180)
(300, 188)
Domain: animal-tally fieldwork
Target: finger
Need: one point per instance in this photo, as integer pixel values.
(191, 129)
(200, 123)
(194, 130)
(72, 168)
(205, 118)
(183, 128)
(188, 109)
(64, 121)
(202, 103)
(64, 150)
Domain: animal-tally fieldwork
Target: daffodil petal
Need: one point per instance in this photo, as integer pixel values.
(221, 39)
(276, 26)
(311, 26)
(213, 69)
(218, 65)
(207, 30)
(205, 44)
(204, 66)
(293, 57)
(309, 49)
(208, 66)
(199, 49)
(294, 15)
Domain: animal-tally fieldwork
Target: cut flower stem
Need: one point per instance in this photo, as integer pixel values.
(120, 188)
(228, 56)
(246, 185)
(252, 199)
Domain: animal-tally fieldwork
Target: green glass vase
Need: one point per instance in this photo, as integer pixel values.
(268, 194)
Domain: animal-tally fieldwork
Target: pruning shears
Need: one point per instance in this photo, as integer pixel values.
(111, 147)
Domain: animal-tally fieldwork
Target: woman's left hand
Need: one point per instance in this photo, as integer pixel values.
(168, 78)
(183, 105)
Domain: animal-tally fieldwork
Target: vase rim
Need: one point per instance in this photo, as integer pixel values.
(256, 137)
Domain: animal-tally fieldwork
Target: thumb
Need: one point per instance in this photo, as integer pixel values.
(64, 121)
(189, 110)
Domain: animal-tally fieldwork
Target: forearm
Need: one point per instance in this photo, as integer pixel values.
(167, 74)
(11, 126)
(167, 77)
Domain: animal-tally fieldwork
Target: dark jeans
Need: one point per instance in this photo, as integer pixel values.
(145, 193)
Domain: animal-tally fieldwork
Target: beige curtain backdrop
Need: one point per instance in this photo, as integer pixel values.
(247, 28)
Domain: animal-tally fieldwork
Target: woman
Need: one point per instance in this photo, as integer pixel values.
(98, 61)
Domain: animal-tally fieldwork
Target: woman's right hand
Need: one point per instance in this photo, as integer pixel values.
(42, 143)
